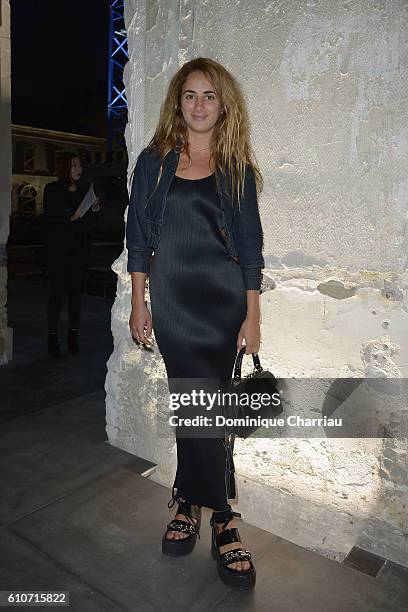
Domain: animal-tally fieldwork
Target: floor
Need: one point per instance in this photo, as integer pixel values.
(76, 514)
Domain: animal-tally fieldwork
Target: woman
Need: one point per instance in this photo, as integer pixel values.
(194, 204)
(67, 244)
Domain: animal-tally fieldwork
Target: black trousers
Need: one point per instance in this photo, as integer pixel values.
(66, 263)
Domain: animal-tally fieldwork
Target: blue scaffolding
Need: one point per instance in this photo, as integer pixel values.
(118, 56)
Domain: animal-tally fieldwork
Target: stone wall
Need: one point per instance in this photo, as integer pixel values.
(5, 174)
(325, 84)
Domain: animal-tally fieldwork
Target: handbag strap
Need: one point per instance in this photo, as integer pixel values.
(238, 363)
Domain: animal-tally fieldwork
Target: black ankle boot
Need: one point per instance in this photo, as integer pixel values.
(53, 346)
(73, 341)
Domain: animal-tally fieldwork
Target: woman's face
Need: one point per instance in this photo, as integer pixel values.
(200, 104)
(76, 169)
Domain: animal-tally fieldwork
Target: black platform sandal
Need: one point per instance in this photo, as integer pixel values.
(182, 546)
(239, 579)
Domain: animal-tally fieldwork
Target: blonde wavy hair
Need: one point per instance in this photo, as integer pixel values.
(230, 145)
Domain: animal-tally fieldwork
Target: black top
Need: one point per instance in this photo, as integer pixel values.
(59, 204)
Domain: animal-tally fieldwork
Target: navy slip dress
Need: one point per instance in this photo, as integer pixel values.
(198, 304)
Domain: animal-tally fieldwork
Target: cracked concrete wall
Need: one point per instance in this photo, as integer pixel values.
(5, 174)
(325, 84)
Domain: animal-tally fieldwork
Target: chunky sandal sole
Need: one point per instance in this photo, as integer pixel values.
(176, 548)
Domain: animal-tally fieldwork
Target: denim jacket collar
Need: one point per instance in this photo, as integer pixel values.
(242, 230)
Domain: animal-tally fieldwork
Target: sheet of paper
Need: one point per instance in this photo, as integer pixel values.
(88, 200)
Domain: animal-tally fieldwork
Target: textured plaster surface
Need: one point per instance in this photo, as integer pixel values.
(326, 88)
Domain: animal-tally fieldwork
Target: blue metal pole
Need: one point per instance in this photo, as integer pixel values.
(118, 56)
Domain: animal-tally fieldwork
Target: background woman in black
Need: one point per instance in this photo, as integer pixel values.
(67, 245)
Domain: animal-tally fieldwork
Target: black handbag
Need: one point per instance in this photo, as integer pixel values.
(258, 381)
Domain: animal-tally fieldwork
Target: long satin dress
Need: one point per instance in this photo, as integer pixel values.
(198, 304)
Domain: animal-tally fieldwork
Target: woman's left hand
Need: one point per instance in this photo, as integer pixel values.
(251, 331)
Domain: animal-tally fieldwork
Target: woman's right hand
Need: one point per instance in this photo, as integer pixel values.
(140, 324)
(76, 214)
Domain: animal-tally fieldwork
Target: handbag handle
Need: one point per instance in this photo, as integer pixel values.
(238, 363)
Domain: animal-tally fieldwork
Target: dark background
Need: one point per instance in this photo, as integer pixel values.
(59, 63)
(59, 60)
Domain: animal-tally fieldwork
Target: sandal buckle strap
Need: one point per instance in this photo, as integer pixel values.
(223, 516)
(235, 555)
(228, 536)
(178, 525)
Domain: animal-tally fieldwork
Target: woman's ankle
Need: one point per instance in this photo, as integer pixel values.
(219, 516)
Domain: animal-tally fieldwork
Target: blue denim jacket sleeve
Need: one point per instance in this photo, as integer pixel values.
(249, 234)
(137, 226)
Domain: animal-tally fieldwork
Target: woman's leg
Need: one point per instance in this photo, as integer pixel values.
(57, 275)
(190, 515)
(204, 464)
(75, 276)
(202, 470)
(218, 516)
(190, 509)
(208, 474)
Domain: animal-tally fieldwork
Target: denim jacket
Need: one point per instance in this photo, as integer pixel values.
(242, 230)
